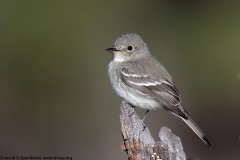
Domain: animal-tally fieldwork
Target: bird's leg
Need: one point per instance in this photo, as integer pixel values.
(131, 114)
(144, 116)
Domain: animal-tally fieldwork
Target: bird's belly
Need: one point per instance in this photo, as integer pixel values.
(138, 99)
(131, 95)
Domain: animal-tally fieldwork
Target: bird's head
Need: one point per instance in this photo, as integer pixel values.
(128, 47)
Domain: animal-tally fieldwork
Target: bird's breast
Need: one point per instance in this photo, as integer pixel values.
(131, 95)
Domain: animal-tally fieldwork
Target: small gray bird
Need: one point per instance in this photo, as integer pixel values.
(141, 80)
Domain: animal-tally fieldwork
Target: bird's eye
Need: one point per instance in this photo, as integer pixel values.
(129, 48)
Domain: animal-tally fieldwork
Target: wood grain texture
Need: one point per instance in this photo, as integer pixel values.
(138, 142)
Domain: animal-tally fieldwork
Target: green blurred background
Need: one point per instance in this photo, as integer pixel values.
(55, 95)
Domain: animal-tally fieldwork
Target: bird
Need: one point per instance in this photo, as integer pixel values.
(141, 80)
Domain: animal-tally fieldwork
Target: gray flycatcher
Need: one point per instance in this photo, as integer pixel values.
(141, 80)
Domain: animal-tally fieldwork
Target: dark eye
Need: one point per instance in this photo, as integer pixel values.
(129, 48)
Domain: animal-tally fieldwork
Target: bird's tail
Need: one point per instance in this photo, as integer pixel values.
(196, 129)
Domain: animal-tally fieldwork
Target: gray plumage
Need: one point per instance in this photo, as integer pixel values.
(140, 79)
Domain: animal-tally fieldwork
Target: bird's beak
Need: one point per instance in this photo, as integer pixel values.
(112, 50)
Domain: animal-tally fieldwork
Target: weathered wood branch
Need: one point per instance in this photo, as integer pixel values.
(140, 145)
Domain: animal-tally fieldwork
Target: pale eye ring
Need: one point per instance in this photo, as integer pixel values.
(130, 48)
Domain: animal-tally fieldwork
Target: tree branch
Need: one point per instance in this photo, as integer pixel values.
(140, 145)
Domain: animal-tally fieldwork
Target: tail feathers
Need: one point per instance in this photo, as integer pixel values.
(196, 129)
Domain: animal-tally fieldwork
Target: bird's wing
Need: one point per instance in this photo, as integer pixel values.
(160, 89)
